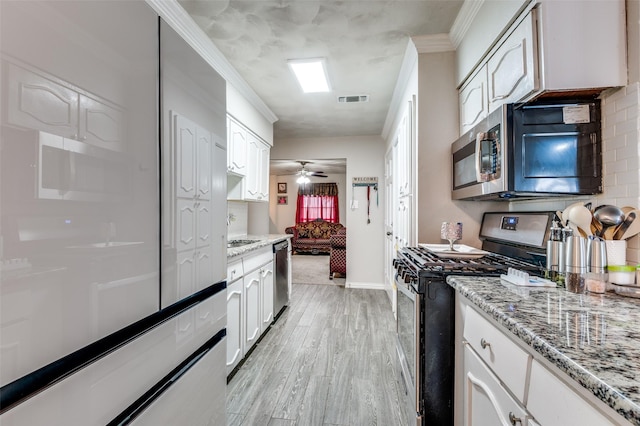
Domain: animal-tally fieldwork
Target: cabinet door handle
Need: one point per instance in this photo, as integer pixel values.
(484, 343)
(513, 419)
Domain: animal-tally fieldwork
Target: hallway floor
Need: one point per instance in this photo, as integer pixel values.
(328, 360)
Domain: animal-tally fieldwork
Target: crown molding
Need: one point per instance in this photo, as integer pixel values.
(408, 64)
(183, 24)
(433, 43)
(463, 21)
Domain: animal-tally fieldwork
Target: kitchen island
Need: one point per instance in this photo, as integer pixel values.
(592, 339)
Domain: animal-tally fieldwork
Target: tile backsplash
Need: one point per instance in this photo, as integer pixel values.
(237, 219)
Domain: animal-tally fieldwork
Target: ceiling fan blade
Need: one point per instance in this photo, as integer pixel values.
(318, 174)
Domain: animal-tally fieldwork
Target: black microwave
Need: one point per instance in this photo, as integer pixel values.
(532, 150)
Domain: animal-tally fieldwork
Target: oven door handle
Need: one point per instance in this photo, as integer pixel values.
(406, 290)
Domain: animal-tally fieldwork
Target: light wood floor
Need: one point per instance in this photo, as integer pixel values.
(328, 360)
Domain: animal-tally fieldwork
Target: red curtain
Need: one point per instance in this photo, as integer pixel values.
(312, 207)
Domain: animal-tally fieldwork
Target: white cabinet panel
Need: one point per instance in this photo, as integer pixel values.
(186, 267)
(562, 406)
(237, 148)
(204, 268)
(204, 164)
(512, 69)
(252, 309)
(486, 401)
(186, 225)
(185, 153)
(204, 223)
(266, 295)
(235, 324)
(503, 356)
(473, 100)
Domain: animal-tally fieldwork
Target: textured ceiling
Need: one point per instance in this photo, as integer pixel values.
(363, 41)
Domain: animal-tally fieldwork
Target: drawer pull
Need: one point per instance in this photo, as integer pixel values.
(513, 419)
(484, 343)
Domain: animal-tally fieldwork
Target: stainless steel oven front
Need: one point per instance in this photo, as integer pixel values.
(425, 333)
(408, 345)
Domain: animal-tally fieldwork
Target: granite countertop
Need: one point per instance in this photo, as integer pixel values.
(595, 339)
(261, 241)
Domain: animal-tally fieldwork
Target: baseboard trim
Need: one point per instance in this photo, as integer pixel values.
(365, 286)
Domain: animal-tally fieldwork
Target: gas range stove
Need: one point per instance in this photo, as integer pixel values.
(511, 240)
(425, 304)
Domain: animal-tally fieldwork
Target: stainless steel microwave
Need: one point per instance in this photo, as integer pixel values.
(528, 151)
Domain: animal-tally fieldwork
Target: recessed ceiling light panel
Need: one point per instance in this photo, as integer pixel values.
(311, 74)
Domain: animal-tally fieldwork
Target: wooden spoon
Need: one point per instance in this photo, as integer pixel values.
(633, 229)
(627, 209)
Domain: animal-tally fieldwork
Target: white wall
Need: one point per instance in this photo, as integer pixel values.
(365, 158)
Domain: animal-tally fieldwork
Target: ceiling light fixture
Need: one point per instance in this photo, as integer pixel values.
(303, 179)
(311, 74)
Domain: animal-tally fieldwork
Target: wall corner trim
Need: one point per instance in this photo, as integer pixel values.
(408, 64)
(433, 43)
(463, 21)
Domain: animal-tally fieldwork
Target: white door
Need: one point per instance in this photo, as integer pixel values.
(389, 251)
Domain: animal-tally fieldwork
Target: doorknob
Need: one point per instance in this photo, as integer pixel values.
(389, 234)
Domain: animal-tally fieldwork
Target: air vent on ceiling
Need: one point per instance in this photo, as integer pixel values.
(354, 98)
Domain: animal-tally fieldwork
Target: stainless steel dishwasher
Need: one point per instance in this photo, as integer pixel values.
(281, 287)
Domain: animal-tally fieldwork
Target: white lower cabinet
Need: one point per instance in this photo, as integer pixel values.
(487, 402)
(506, 383)
(249, 303)
(561, 406)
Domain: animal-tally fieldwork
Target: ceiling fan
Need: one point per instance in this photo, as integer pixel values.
(305, 174)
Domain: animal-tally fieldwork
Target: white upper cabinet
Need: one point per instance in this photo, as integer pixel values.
(512, 70)
(248, 162)
(237, 148)
(544, 51)
(257, 178)
(473, 100)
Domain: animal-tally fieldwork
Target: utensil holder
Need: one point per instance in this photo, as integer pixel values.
(616, 252)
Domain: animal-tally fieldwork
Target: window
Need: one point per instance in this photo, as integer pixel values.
(317, 201)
